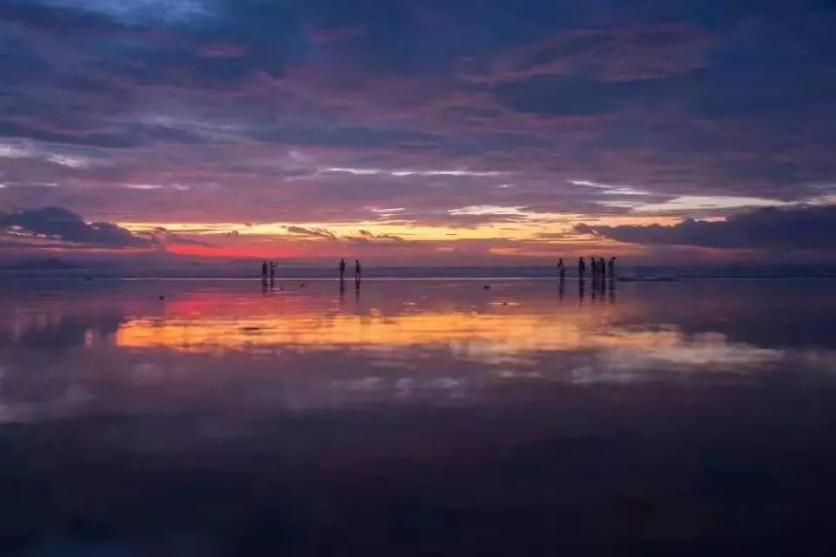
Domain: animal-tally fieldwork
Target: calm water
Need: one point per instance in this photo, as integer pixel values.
(417, 417)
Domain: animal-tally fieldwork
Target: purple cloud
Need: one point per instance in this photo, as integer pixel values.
(238, 113)
(61, 224)
(769, 228)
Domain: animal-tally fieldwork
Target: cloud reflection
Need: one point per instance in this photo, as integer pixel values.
(119, 348)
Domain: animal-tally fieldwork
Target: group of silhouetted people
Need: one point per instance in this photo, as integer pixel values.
(600, 269)
(268, 268)
(268, 271)
(358, 271)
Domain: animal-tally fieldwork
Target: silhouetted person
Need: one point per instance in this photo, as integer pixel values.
(358, 272)
(611, 270)
(602, 269)
(581, 268)
(561, 268)
(342, 269)
(272, 271)
(264, 271)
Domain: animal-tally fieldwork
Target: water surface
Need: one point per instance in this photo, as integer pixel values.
(416, 417)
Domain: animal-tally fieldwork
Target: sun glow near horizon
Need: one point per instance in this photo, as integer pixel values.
(523, 234)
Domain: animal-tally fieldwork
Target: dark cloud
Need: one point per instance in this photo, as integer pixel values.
(61, 224)
(365, 237)
(770, 228)
(312, 232)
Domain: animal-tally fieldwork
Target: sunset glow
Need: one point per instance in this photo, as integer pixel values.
(402, 278)
(206, 129)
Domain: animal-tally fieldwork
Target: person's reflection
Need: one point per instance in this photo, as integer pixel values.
(602, 289)
(612, 291)
(560, 288)
(581, 287)
(357, 291)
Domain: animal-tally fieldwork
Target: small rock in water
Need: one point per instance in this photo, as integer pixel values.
(162, 297)
(487, 287)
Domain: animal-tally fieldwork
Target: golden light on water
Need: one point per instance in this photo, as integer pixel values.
(499, 331)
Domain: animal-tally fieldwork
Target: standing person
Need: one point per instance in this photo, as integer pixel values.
(611, 270)
(264, 271)
(602, 266)
(561, 268)
(272, 271)
(581, 268)
(342, 269)
(357, 272)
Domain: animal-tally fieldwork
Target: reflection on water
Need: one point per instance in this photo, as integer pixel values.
(531, 378)
(399, 337)
(516, 336)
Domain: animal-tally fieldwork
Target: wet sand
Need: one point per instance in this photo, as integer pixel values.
(417, 417)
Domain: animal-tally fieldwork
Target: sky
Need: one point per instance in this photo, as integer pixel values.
(418, 131)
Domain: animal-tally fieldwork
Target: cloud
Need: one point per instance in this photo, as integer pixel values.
(15, 151)
(139, 11)
(614, 54)
(769, 228)
(401, 173)
(317, 112)
(61, 224)
(358, 137)
(365, 237)
(163, 237)
(312, 232)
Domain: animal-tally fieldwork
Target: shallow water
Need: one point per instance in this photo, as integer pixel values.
(417, 417)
